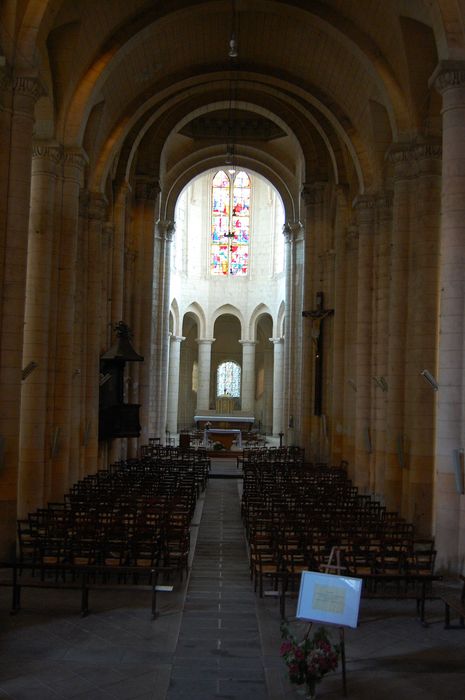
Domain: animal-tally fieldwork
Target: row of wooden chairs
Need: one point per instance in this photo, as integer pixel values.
(294, 520)
(136, 514)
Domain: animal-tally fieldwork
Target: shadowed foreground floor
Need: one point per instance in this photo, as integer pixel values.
(214, 638)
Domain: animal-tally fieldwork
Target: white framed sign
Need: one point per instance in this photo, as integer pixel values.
(329, 598)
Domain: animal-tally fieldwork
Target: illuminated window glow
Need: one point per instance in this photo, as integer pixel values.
(228, 379)
(230, 230)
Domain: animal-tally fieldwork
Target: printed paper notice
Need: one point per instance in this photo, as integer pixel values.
(329, 599)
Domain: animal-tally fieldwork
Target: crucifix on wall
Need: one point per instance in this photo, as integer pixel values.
(317, 317)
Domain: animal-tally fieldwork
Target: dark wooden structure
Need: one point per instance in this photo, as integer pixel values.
(116, 418)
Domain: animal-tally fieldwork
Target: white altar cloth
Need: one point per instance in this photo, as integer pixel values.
(229, 431)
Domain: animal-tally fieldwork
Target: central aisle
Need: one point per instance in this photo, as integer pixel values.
(219, 651)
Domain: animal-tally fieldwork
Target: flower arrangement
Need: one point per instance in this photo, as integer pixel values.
(217, 446)
(310, 659)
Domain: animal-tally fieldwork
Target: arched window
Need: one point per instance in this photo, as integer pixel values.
(230, 224)
(228, 379)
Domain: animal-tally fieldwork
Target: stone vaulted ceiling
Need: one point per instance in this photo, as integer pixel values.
(335, 81)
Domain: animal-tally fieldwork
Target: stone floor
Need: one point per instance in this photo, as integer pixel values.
(214, 638)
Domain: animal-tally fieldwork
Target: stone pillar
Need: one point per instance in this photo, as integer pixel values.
(350, 338)
(21, 94)
(203, 392)
(248, 376)
(164, 232)
(146, 192)
(6, 99)
(62, 426)
(313, 195)
(422, 334)
(396, 448)
(119, 239)
(291, 231)
(278, 355)
(96, 216)
(173, 383)
(365, 210)
(449, 80)
(78, 401)
(47, 161)
(338, 388)
(380, 334)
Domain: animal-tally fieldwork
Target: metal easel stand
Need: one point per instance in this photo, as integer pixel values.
(336, 569)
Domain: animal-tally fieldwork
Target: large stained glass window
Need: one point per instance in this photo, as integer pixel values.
(228, 379)
(230, 224)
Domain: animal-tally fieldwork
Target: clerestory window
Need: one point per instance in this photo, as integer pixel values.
(230, 224)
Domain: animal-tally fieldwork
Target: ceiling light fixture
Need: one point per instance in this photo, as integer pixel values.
(233, 53)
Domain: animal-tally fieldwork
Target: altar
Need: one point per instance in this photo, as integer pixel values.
(225, 422)
(224, 435)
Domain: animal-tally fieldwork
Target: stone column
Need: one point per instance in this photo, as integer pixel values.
(248, 376)
(203, 392)
(365, 210)
(6, 108)
(21, 94)
(164, 232)
(119, 239)
(313, 195)
(396, 453)
(146, 192)
(449, 80)
(78, 401)
(338, 388)
(380, 335)
(351, 241)
(47, 161)
(278, 356)
(291, 231)
(422, 334)
(173, 383)
(62, 427)
(96, 216)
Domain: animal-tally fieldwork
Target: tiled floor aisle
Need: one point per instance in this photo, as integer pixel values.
(219, 649)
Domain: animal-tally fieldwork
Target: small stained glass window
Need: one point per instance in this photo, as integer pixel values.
(228, 379)
(230, 231)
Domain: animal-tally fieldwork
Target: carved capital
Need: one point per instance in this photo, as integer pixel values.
(313, 193)
(292, 230)
(428, 151)
(165, 230)
(351, 238)
(277, 341)
(147, 188)
(365, 207)
(76, 158)
(385, 199)
(448, 74)
(177, 338)
(401, 153)
(365, 202)
(28, 87)
(97, 206)
(45, 150)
